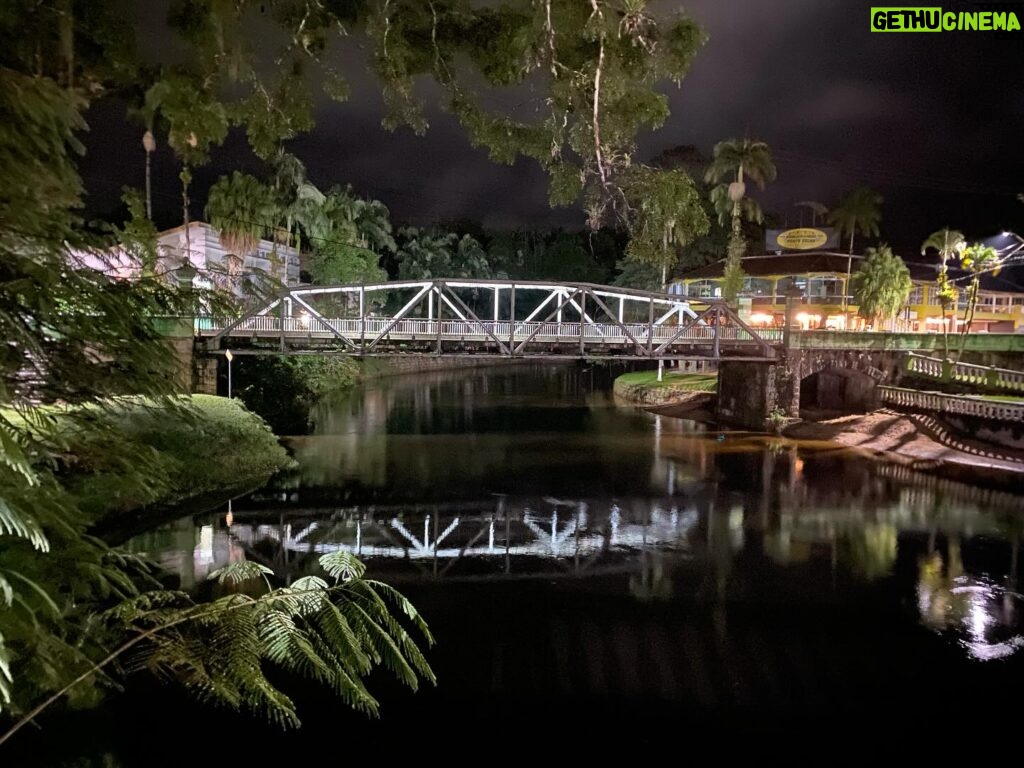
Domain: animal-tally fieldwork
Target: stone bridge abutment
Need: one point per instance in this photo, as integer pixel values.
(842, 379)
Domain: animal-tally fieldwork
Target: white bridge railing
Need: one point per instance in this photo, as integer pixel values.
(965, 373)
(953, 404)
(477, 330)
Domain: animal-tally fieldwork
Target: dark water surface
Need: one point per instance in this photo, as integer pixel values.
(599, 577)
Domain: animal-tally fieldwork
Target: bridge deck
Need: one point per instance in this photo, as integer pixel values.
(530, 337)
(554, 319)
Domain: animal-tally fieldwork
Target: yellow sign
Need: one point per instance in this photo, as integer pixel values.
(803, 239)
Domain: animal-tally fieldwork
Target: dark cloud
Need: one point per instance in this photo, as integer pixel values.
(932, 121)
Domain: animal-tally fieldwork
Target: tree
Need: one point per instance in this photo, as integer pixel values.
(337, 263)
(949, 243)
(738, 159)
(882, 285)
(860, 210)
(978, 259)
(666, 215)
(242, 209)
(818, 211)
(424, 255)
(373, 226)
(637, 274)
(600, 70)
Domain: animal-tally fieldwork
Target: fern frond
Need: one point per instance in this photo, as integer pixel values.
(405, 641)
(38, 590)
(276, 705)
(242, 571)
(349, 687)
(6, 679)
(150, 606)
(286, 644)
(387, 651)
(6, 590)
(342, 566)
(404, 604)
(13, 523)
(306, 596)
(338, 634)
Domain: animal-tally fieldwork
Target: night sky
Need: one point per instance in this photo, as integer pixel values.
(933, 121)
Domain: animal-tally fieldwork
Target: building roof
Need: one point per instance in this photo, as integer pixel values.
(1010, 279)
(786, 264)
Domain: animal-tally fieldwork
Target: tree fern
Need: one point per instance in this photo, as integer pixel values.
(220, 651)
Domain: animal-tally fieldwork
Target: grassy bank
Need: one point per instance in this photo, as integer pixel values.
(692, 382)
(147, 453)
(643, 387)
(283, 389)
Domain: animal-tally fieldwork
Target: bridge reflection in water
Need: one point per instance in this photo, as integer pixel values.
(708, 548)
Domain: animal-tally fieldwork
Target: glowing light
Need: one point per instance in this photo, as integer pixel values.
(761, 318)
(304, 320)
(836, 322)
(806, 319)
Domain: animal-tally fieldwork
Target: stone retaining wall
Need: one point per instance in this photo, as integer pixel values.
(671, 394)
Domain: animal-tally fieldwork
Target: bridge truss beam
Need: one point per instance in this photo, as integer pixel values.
(444, 316)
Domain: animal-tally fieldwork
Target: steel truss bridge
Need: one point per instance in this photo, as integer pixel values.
(498, 318)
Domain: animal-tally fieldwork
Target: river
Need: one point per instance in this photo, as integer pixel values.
(599, 575)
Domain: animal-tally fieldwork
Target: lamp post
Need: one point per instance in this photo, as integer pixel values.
(229, 357)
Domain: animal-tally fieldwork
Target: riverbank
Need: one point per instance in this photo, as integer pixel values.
(908, 439)
(675, 390)
(167, 454)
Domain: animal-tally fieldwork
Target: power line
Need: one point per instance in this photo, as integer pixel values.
(894, 177)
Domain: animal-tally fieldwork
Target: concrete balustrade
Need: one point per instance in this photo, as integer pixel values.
(952, 404)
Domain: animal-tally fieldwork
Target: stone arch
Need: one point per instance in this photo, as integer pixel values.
(839, 381)
(817, 361)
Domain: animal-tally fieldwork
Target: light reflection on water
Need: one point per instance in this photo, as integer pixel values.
(535, 473)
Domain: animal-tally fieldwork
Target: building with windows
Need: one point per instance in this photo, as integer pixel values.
(821, 277)
(268, 265)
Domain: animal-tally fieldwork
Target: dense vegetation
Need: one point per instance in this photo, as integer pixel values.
(69, 606)
(210, 444)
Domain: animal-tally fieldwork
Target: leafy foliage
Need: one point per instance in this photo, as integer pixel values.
(284, 389)
(950, 244)
(212, 444)
(732, 275)
(859, 211)
(667, 214)
(242, 209)
(738, 159)
(333, 633)
(882, 284)
(977, 259)
(74, 337)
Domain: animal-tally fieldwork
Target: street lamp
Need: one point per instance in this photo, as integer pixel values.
(229, 357)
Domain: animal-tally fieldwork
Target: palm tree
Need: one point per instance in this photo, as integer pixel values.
(373, 224)
(882, 284)
(818, 211)
(241, 208)
(423, 255)
(949, 243)
(977, 259)
(860, 210)
(750, 209)
(289, 177)
(735, 160)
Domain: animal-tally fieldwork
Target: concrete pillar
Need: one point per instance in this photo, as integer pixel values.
(793, 296)
(204, 375)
